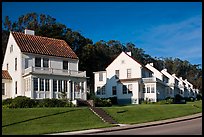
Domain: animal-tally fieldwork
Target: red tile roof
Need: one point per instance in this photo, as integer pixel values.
(5, 75)
(43, 45)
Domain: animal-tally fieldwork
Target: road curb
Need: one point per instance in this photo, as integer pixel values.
(126, 126)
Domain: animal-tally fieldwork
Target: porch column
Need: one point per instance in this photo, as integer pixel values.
(85, 90)
(80, 85)
(31, 88)
(51, 88)
(68, 89)
(73, 92)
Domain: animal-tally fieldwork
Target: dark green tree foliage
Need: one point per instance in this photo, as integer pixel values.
(96, 56)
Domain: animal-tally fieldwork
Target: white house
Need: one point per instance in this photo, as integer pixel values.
(181, 85)
(129, 81)
(163, 88)
(172, 82)
(41, 67)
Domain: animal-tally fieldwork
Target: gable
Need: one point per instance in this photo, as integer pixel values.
(123, 59)
(43, 45)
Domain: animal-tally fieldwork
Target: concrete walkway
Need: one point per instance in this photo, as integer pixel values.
(127, 126)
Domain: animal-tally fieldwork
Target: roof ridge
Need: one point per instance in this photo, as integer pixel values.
(36, 36)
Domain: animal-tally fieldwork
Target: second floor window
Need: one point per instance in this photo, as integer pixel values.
(65, 65)
(45, 62)
(100, 76)
(15, 63)
(128, 73)
(117, 73)
(11, 48)
(37, 62)
(3, 88)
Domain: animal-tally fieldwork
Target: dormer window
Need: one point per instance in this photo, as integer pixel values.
(65, 65)
(100, 76)
(37, 62)
(45, 62)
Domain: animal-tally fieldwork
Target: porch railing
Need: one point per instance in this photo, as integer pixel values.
(54, 71)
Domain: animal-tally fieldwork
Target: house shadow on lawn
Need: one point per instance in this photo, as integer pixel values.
(38, 118)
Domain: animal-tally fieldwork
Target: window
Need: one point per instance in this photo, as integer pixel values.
(100, 76)
(26, 63)
(114, 90)
(65, 86)
(16, 87)
(143, 88)
(103, 90)
(35, 84)
(47, 85)
(55, 85)
(3, 88)
(117, 73)
(128, 73)
(7, 66)
(98, 92)
(82, 87)
(130, 89)
(41, 84)
(37, 62)
(124, 89)
(11, 48)
(148, 89)
(45, 62)
(152, 89)
(65, 65)
(15, 63)
(59, 85)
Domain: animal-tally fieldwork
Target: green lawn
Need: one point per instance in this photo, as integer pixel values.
(48, 120)
(37, 121)
(133, 114)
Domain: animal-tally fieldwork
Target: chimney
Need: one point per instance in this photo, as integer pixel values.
(173, 74)
(30, 32)
(129, 53)
(151, 64)
(165, 70)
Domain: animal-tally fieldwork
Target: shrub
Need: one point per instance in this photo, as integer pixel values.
(98, 102)
(52, 103)
(7, 101)
(114, 100)
(179, 99)
(22, 102)
(199, 97)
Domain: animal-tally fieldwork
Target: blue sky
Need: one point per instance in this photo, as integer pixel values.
(161, 29)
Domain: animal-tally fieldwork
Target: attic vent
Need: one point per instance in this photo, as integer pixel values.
(30, 32)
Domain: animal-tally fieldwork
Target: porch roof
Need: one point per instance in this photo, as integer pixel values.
(6, 75)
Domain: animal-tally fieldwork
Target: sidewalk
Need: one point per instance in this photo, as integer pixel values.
(127, 126)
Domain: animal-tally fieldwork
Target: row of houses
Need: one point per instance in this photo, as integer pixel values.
(131, 82)
(41, 67)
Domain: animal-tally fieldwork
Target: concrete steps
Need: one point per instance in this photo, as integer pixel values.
(97, 111)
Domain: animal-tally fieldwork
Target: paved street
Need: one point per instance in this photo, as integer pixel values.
(188, 127)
